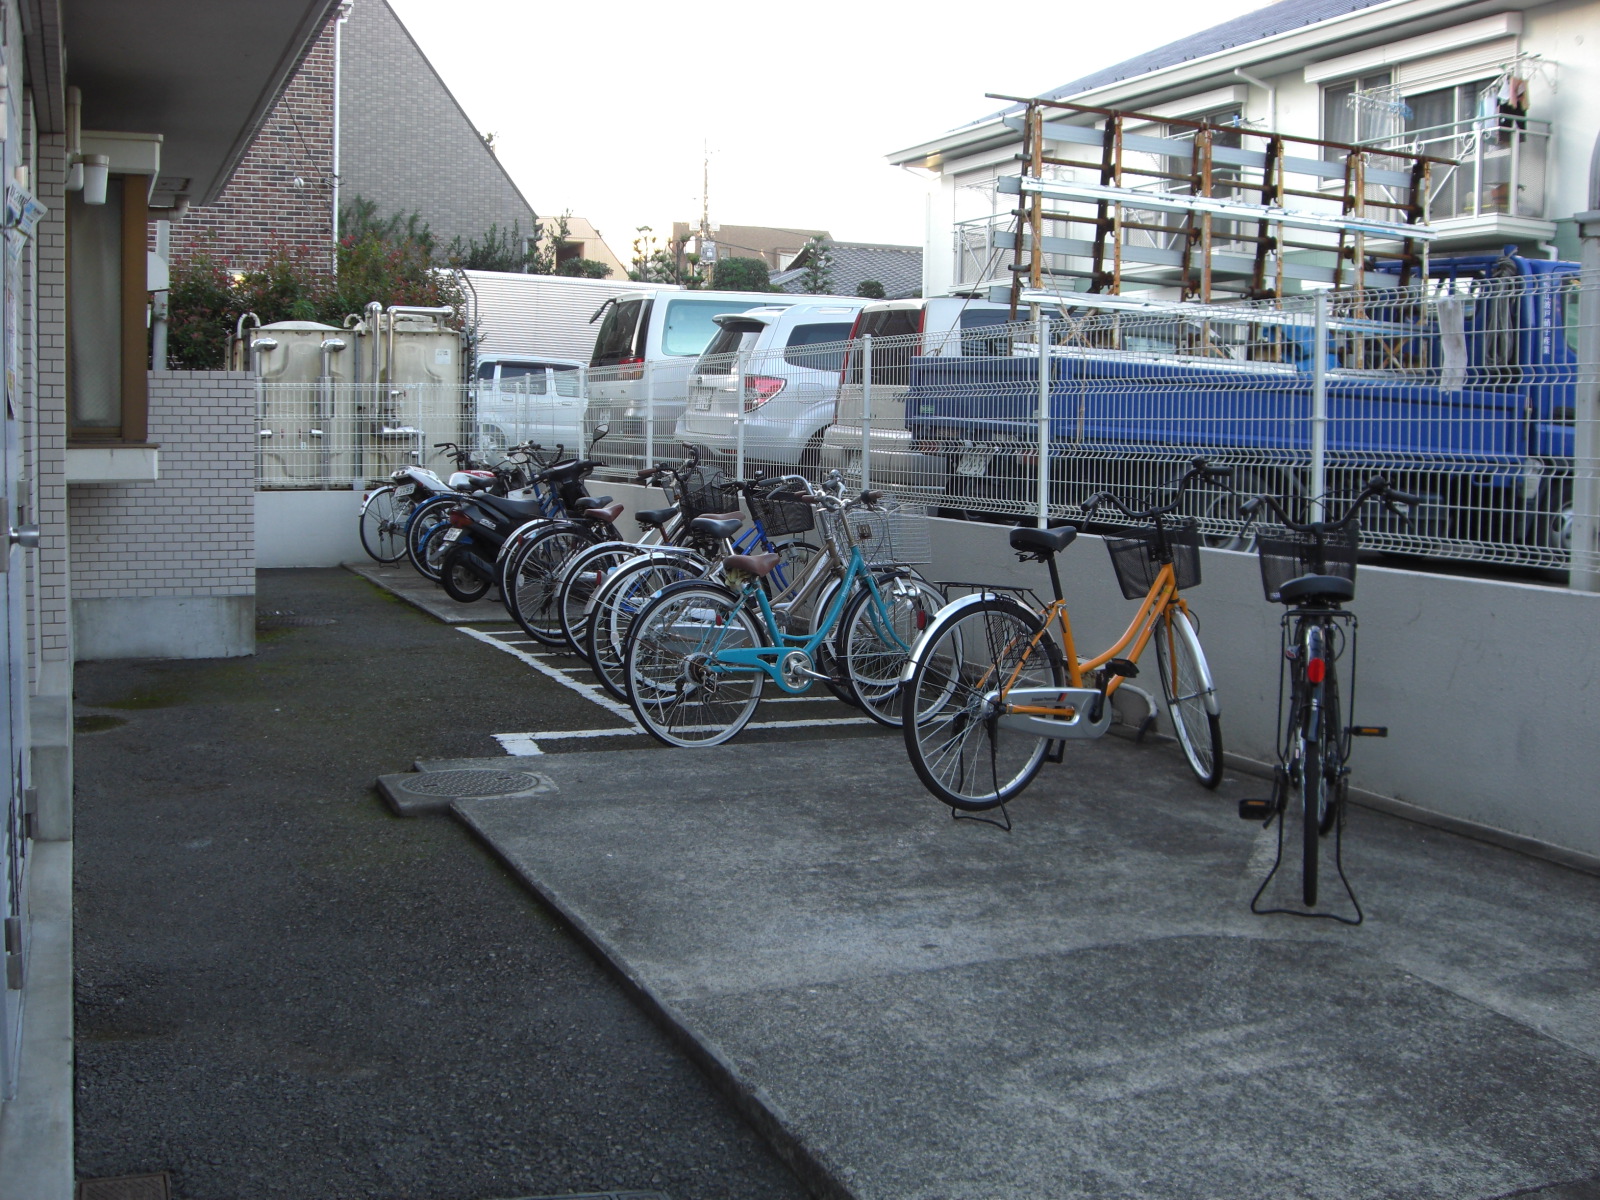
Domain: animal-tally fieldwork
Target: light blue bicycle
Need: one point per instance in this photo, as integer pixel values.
(699, 652)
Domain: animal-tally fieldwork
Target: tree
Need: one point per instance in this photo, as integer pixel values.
(498, 250)
(584, 268)
(817, 280)
(653, 263)
(871, 289)
(741, 275)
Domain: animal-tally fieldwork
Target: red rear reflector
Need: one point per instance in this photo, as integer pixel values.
(1316, 670)
(460, 519)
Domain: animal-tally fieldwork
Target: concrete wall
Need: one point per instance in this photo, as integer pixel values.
(167, 569)
(1491, 691)
(308, 529)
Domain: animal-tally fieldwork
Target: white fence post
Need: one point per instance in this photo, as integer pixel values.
(1584, 572)
(866, 412)
(1319, 406)
(649, 416)
(738, 414)
(1042, 326)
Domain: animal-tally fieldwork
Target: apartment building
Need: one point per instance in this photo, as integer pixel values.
(1505, 89)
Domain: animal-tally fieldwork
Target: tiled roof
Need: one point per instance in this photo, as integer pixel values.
(1251, 27)
(898, 268)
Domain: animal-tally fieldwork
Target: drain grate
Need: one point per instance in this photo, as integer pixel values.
(127, 1187)
(291, 622)
(433, 791)
(460, 784)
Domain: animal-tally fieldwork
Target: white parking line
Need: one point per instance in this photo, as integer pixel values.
(528, 743)
(587, 690)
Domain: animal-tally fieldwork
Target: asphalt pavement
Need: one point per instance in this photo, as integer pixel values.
(285, 991)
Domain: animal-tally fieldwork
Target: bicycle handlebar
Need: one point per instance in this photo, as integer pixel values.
(1377, 488)
(1198, 470)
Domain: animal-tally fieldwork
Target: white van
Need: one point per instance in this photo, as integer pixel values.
(643, 355)
(792, 358)
(522, 398)
(901, 330)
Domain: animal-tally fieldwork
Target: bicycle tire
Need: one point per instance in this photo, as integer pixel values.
(870, 659)
(383, 525)
(954, 746)
(1313, 776)
(584, 578)
(605, 635)
(1190, 695)
(460, 582)
(675, 693)
(423, 525)
(536, 581)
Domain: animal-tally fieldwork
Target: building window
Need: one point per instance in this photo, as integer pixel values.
(108, 351)
(1353, 110)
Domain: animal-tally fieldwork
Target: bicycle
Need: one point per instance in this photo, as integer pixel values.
(1311, 569)
(990, 695)
(699, 652)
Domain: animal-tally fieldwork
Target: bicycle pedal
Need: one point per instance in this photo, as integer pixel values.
(1255, 810)
(1055, 751)
(1121, 666)
(1369, 731)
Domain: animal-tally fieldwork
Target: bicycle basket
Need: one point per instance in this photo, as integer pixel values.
(1135, 560)
(780, 511)
(1288, 554)
(898, 536)
(706, 490)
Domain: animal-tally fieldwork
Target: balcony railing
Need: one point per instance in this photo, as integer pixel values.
(1500, 166)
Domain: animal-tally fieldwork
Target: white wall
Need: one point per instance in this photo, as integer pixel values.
(308, 529)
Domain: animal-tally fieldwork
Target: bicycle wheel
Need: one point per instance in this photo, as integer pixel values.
(677, 689)
(537, 577)
(427, 524)
(460, 582)
(875, 640)
(1191, 696)
(1310, 802)
(383, 525)
(960, 751)
(605, 632)
(584, 577)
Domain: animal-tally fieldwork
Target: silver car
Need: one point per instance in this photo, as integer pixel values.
(790, 359)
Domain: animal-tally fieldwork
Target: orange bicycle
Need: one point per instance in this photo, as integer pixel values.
(988, 696)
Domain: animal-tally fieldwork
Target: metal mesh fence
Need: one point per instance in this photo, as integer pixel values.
(1467, 393)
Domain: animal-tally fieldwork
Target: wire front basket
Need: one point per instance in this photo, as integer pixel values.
(780, 510)
(706, 490)
(894, 537)
(1289, 554)
(1136, 559)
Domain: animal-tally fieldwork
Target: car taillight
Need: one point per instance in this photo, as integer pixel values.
(1316, 670)
(758, 389)
(632, 368)
(459, 519)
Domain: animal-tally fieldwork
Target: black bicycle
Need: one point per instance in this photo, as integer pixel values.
(1311, 569)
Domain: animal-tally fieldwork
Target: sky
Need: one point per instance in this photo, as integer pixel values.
(608, 112)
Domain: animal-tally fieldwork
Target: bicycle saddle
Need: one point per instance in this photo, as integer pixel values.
(718, 526)
(1317, 587)
(754, 564)
(520, 510)
(583, 502)
(606, 514)
(656, 516)
(1043, 541)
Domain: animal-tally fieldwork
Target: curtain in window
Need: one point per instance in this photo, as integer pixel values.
(95, 283)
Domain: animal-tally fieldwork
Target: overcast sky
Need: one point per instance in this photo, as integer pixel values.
(605, 111)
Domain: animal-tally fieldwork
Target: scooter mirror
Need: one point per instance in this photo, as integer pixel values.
(599, 432)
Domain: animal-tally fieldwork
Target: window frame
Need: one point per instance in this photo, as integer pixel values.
(134, 426)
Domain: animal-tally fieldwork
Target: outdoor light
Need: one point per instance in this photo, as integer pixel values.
(96, 174)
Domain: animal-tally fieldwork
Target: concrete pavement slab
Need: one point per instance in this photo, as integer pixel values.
(402, 580)
(921, 1008)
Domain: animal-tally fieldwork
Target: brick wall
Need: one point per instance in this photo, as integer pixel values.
(192, 533)
(44, 346)
(263, 208)
(407, 145)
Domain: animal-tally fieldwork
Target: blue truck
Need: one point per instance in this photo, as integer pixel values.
(1477, 416)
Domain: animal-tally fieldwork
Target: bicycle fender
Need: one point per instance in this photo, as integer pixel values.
(948, 613)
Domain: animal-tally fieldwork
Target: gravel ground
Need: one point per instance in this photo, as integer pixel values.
(284, 991)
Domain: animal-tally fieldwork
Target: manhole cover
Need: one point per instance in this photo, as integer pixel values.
(433, 791)
(475, 783)
(292, 622)
(127, 1187)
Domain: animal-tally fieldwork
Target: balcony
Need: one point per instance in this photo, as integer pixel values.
(1497, 188)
